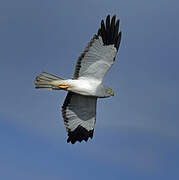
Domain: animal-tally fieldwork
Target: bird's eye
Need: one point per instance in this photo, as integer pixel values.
(110, 91)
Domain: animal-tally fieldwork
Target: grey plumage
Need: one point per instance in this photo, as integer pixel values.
(94, 62)
(79, 108)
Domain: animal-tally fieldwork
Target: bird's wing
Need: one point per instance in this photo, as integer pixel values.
(100, 53)
(79, 114)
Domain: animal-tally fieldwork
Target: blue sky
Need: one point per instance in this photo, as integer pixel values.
(136, 134)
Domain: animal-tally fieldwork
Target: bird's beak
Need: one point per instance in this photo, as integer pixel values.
(112, 93)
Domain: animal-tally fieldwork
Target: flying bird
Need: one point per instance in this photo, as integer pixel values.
(85, 87)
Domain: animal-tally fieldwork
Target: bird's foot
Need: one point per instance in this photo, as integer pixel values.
(63, 86)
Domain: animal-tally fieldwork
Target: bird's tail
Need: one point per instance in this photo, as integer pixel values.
(47, 81)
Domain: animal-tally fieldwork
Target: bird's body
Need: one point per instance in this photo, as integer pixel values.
(83, 86)
(79, 108)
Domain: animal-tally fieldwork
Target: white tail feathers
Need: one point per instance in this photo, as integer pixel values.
(47, 81)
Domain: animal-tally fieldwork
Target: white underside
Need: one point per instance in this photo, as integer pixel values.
(83, 86)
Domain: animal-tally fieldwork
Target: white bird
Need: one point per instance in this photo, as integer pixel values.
(79, 108)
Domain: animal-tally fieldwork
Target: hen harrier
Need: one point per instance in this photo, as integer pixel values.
(79, 108)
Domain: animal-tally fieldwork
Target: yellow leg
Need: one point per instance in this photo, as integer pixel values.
(63, 86)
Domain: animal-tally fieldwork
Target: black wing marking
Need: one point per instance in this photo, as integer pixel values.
(110, 35)
(79, 114)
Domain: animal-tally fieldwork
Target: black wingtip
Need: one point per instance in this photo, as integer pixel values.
(109, 31)
(79, 134)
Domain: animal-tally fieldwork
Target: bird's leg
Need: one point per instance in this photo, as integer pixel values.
(64, 87)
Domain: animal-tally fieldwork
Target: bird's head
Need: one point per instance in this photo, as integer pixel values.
(108, 92)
